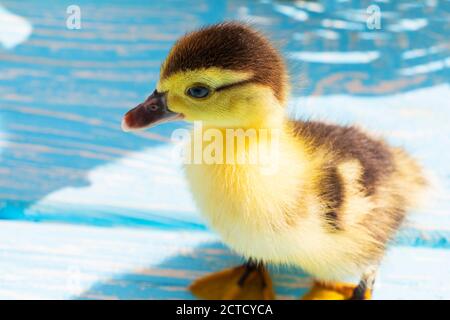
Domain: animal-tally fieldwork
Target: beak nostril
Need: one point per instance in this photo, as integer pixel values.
(149, 113)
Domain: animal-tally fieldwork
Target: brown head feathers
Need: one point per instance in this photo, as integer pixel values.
(232, 46)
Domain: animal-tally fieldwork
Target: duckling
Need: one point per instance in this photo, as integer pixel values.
(335, 200)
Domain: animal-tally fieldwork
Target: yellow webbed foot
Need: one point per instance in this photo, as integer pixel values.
(247, 282)
(333, 291)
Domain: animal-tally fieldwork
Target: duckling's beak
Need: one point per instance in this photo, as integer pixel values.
(151, 112)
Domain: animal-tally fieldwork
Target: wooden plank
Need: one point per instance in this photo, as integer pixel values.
(64, 159)
(59, 261)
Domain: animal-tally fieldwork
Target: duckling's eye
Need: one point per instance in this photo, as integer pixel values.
(198, 92)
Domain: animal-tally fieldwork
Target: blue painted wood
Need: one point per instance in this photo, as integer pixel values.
(64, 160)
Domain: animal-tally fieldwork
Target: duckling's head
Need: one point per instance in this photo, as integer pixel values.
(226, 75)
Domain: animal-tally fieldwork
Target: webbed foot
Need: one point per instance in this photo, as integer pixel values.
(247, 282)
(337, 291)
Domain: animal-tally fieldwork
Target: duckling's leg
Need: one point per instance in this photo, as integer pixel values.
(250, 281)
(365, 287)
(343, 291)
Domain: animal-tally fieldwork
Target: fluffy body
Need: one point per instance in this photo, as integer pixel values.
(282, 218)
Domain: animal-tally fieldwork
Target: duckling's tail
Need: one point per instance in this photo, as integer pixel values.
(412, 182)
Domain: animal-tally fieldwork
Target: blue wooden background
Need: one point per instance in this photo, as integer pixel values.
(87, 211)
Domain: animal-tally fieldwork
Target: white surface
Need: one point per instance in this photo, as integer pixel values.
(13, 29)
(336, 57)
